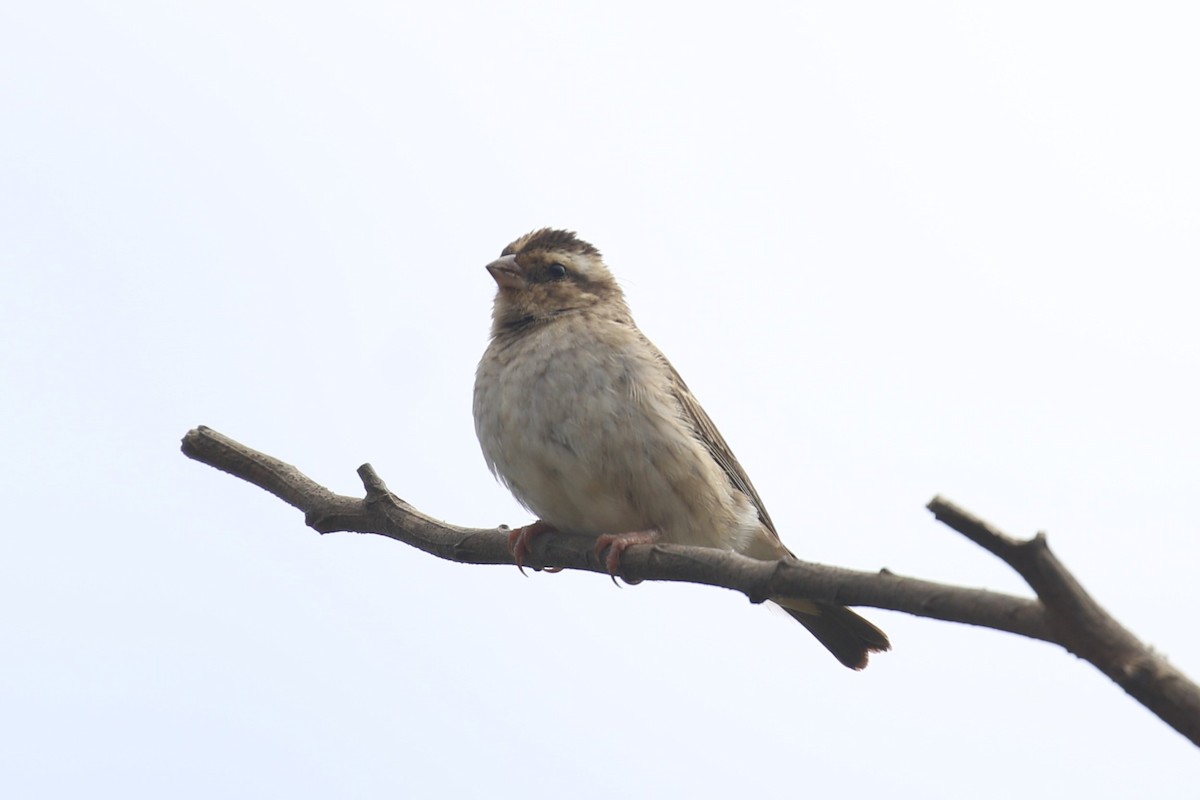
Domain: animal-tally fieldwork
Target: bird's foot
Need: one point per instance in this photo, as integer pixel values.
(520, 539)
(616, 544)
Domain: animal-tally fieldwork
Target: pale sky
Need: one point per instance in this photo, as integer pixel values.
(896, 249)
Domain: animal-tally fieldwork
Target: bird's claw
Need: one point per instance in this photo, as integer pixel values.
(519, 541)
(616, 544)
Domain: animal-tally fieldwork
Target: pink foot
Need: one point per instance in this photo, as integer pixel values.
(520, 539)
(616, 544)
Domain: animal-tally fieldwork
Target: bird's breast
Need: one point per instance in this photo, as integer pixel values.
(554, 418)
(587, 433)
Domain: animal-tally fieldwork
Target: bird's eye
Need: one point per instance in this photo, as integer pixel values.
(557, 271)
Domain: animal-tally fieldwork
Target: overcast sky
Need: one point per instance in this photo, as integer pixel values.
(897, 249)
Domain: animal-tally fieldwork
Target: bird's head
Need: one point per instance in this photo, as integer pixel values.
(550, 272)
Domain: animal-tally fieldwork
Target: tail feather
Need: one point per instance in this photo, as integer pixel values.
(848, 636)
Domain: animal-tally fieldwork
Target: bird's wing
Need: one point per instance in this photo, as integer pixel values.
(715, 443)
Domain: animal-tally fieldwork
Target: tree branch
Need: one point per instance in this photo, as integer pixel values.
(1063, 614)
(1080, 625)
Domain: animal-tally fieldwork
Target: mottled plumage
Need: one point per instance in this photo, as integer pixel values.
(593, 430)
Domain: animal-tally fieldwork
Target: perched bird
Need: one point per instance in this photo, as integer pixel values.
(593, 430)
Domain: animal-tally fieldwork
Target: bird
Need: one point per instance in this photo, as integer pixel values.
(592, 429)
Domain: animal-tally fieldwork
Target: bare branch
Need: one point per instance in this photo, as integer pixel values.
(1084, 628)
(1064, 614)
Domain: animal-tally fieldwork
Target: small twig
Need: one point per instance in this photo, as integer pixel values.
(1064, 614)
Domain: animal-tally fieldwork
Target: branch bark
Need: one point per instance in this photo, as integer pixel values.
(1063, 613)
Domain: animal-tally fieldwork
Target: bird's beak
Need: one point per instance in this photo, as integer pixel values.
(507, 273)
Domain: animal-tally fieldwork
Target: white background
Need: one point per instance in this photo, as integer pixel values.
(896, 249)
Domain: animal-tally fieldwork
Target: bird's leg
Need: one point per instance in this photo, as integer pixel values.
(616, 544)
(519, 540)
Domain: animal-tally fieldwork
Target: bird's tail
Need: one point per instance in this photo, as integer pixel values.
(848, 636)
